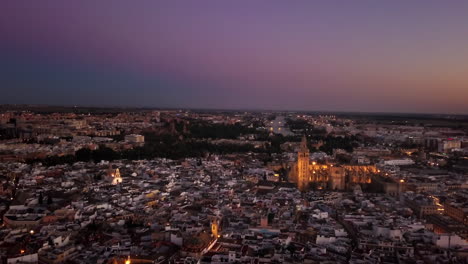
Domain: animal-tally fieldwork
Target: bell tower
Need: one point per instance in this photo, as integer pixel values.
(215, 228)
(116, 178)
(303, 166)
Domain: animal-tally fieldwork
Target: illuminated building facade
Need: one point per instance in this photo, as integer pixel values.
(116, 178)
(325, 176)
(215, 228)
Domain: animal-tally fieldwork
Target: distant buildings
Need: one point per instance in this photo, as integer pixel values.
(398, 162)
(442, 144)
(278, 126)
(381, 202)
(135, 139)
(449, 144)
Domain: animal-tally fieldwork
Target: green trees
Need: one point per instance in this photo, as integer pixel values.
(102, 153)
(84, 154)
(331, 143)
(298, 124)
(218, 131)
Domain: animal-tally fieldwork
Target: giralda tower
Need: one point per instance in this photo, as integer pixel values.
(303, 166)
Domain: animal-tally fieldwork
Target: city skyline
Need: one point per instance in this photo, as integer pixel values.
(359, 57)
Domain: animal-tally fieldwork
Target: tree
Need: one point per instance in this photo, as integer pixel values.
(84, 154)
(49, 199)
(104, 153)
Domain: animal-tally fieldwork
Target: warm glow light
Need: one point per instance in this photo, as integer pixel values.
(402, 180)
(313, 163)
(22, 251)
(31, 232)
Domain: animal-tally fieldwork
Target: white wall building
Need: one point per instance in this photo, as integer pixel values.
(398, 162)
(134, 138)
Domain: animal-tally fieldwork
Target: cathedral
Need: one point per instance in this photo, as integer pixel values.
(309, 174)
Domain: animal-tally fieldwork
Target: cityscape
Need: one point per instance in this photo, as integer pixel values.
(242, 132)
(187, 186)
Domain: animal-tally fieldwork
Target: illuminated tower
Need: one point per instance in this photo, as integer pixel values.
(303, 166)
(116, 178)
(215, 228)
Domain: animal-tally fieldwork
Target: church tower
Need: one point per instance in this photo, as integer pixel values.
(215, 228)
(116, 178)
(303, 166)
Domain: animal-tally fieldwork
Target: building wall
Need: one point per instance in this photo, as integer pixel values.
(304, 173)
(456, 213)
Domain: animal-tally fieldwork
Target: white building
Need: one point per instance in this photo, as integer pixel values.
(449, 144)
(398, 162)
(134, 138)
(450, 241)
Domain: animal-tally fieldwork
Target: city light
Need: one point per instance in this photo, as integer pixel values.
(125, 131)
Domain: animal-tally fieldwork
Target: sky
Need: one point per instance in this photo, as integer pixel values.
(325, 55)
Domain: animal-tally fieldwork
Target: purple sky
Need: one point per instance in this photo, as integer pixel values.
(385, 56)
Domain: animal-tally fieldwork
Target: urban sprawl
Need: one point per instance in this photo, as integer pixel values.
(185, 186)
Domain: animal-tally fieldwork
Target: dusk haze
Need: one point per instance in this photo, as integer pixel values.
(359, 56)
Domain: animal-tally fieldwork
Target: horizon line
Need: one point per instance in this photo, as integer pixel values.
(229, 109)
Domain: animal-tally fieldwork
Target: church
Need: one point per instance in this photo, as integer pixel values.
(114, 175)
(310, 175)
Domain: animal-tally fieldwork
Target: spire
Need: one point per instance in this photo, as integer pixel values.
(304, 147)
